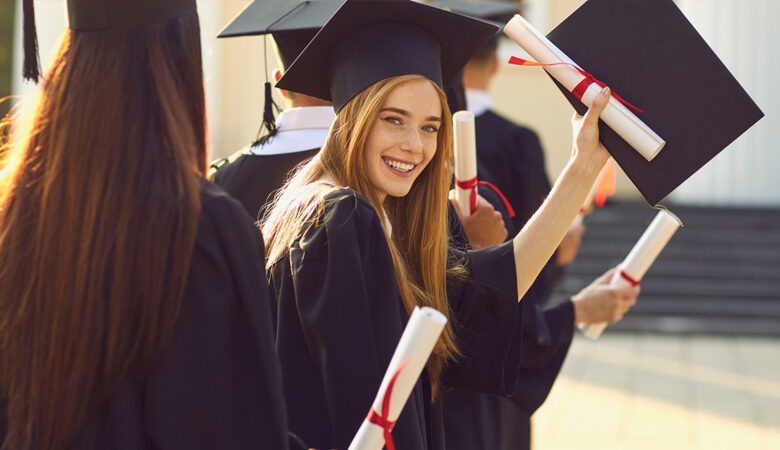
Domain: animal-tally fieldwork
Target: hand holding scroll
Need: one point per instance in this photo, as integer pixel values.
(587, 146)
(484, 227)
(603, 303)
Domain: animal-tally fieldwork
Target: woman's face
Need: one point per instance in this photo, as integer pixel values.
(403, 139)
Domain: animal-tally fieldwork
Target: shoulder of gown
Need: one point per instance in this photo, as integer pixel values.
(216, 382)
(339, 319)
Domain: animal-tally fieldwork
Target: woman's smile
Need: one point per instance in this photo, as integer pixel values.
(399, 167)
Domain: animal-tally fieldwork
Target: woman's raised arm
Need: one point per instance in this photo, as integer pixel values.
(537, 241)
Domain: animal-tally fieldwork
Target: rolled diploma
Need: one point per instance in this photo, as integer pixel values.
(628, 126)
(640, 258)
(416, 343)
(465, 157)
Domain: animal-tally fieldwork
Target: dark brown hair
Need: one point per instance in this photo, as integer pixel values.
(99, 203)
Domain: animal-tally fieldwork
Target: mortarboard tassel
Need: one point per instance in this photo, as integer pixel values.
(32, 66)
(268, 126)
(269, 110)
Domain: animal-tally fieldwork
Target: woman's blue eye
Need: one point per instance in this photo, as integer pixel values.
(393, 120)
(431, 129)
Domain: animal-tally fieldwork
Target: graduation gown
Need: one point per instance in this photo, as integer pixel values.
(511, 157)
(253, 175)
(216, 382)
(252, 179)
(339, 319)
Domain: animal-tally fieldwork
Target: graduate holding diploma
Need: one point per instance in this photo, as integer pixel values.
(357, 238)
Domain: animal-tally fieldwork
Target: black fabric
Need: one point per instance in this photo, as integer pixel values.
(339, 318)
(648, 52)
(88, 15)
(253, 179)
(438, 48)
(290, 45)
(378, 52)
(216, 382)
(511, 157)
(500, 11)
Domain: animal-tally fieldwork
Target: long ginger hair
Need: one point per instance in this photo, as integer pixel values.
(99, 204)
(419, 240)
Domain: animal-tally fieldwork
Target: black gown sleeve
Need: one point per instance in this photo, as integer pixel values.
(486, 316)
(216, 382)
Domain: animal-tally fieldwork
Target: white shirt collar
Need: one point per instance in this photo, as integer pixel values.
(306, 118)
(300, 129)
(478, 101)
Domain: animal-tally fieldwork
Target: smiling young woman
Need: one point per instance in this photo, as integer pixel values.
(358, 237)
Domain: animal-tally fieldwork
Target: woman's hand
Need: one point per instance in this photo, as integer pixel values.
(587, 150)
(601, 302)
(485, 228)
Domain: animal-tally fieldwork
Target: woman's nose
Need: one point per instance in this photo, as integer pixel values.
(413, 142)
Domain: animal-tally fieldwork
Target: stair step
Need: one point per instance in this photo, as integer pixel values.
(719, 274)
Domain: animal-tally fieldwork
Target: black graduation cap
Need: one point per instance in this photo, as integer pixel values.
(648, 53)
(491, 10)
(90, 15)
(369, 40)
(292, 24)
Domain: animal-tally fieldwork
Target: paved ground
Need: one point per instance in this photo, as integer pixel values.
(644, 391)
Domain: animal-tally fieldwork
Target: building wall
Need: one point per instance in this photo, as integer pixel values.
(745, 35)
(738, 30)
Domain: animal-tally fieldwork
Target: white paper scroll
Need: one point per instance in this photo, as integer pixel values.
(640, 258)
(465, 158)
(416, 344)
(628, 126)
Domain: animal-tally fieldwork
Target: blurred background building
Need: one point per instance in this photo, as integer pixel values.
(697, 363)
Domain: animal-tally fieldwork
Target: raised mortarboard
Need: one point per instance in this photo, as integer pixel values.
(369, 40)
(648, 53)
(94, 15)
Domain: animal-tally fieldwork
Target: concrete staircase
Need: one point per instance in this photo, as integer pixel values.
(720, 274)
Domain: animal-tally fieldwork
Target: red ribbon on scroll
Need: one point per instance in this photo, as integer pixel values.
(583, 86)
(472, 184)
(383, 420)
(631, 280)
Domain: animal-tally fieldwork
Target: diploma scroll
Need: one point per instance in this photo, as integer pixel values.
(628, 126)
(413, 350)
(465, 159)
(640, 258)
